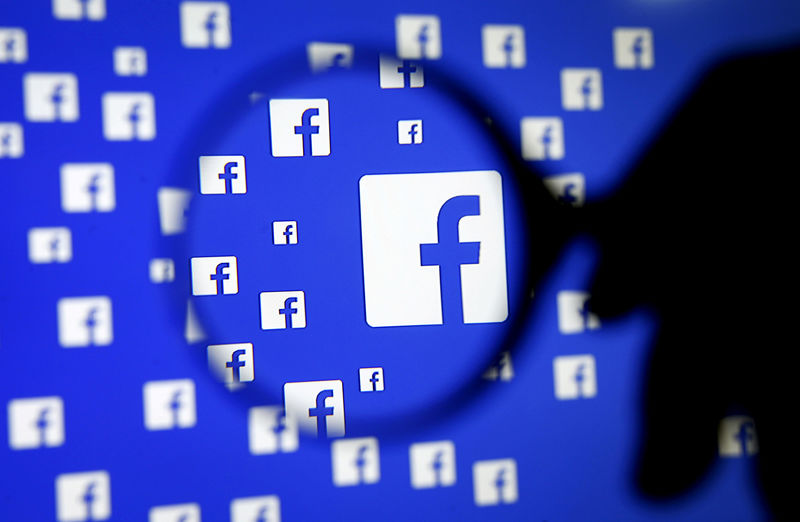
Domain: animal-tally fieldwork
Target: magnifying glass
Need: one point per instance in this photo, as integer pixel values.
(359, 248)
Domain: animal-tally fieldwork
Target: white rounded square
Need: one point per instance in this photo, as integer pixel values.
(250, 509)
(574, 312)
(370, 379)
(173, 205)
(323, 56)
(87, 187)
(215, 275)
(84, 321)
(355, 461)
(317, 407)
(50, 245)
(542, 138)
(130, 61)
(169, 404)
(231, 363)
(270, 431)
(397, 74)
(737, 436)
(409, 132)
(12, 142)
(205, 24)
(495, 482)
(35, 422)
(282, 310)
(433, 464)
(569, 189)
(175, 513)
(129, 116)
(79, 9)
(284, 233)
(418, 36)
(161, 270)
(222, 175)
(503, 46)
(574, 377)
(83, 496)
(299, 127)
(633, 48)
(13, 45)
(581, 89)
(51, 96)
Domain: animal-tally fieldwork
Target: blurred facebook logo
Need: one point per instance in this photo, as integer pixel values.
(398, 74)
(323, 56)
(205, 25)
(542, 138)
(36, 422)
(12, 144)
(49, 245)
(575, 312)
(299, 127)
(51, 97)
(130, 61)
(283, 310)
(569, 189)
(173, 204)
(581, 89)
(222, 175)
(169, 404)
(232, 364)
(418, 37)
(317, 407)
(79, 9)
(495, 482)
(13, 45)
(284, 233)
(175, 513)
(87, 187)
(503, 46)
(633, 48)
(84, 321)
(162, 270)
(214, 275)
(501, 370)
(256, 509)
(737, 436)
(355, 461)
(270, 431)
(83, 496)
(574, 377)
(433, 248)
(129, 116)
(433, 464)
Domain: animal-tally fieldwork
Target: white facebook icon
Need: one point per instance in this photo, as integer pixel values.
(87, 187)
(281, 310)
(574, 312)
(49, 245)
(83, 496)
(409, 132)
(214, 275)
(317, 407)
(299, 127)
(51, 96)
(12, 144)
(249, 509)
(270, 431)
(162, 270)
(542, 138)
(13, 45)
(173, 204)
(35, 422)
(129, 116)
(433, 248)
(370, 379)
(581, 89)
(418, 36)
(503, 46)
(84, 321)
(169, 404)
(222, 175)
(495, 482)
(232, 363)
(130, 61)
(397, 74)
(574, 377)
(205, 24)
(284, 232)
(355, 461)
(175, 513)
(323, 56)
(433, 464)
(633, 48)
(737, 436)
(79, 9)
(569, 189)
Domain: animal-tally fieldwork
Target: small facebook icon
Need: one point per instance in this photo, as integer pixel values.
(37, 422)
(49, 245)
(162, 270)
(370, 379)
(12, 144)
(433, 464)
(495, 482)
(433, 248)
(83, 496)
(581, 89)
(214, 275)
(574, 377)
(284, 232)
(173, 204)
(205, 24)
(51, 96)
(569, 189)
(398, 74)
(175, 513)
(13, 45)
(418, 36)
(323, 56)
(575, 312)
(317, 407)
(299, 127)
(633, 48)
(409, 132)
(84, 321)
(503, 46)
(130, 61)
(256, 509)
(87, 187)
(283, 310)
(542, 138)
(270, 431)
(169, 404)
(737, 437)
(222, 175)
(79, 9)
(232, 363)
(129, 116)
(355, 461)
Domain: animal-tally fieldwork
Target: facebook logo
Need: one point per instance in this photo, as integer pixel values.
(49, 245)
(433, 464)
(737, 437)
(317, 407)
(162, 270)
(270, 431)
(569, 189)
(501, 370)
(175, 513)
(299, 127)
(575, 312)
(51, 96)
(581, 89)
(169, 404)
(11, 141)
(37, 422)
(83, 496)
(84, 321)
(205, 24)
(355, 461)
(87, 187)
(173, 205)
(398, 74)
(409, 132)
(79, 9)
(503, 46)
(370, 379)
(232, 363)
(542, 138)
(323, 56)
(283, 310)
(214, 275)
(418, 36)
(129, 116)
(433, 248)
(222, 175)
(574, 377)
(130, 61)
(256, 509)
(633, 48)
(13, 45)
(284, 232)
(495, 482)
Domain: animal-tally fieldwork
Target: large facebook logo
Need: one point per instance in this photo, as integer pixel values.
(737, 436)
(51, 97)
(433, 248)
(316, 407)
(35, 422)
(83, 496)
(299, 127)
